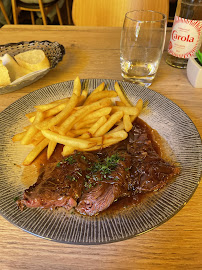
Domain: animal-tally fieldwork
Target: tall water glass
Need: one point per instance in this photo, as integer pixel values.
(142, 44)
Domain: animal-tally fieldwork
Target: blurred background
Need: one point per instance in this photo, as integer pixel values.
(52, 18)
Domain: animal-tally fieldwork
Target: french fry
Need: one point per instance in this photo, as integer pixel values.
(68, 134)
(111, 141)
(79, 131)
(35, 152)
(100, 95)
(53, 111)
(45, 107)
(66, 111)
(139, 105)
(99, 88)
(78, 115)
(32, 130)
(97, 125)
(126, 110)
(77, 87)
(51, 148)
(85, 123)
(120, 126)
(127, 123)
(119, 135)
(44, 124)
(26, 127)
(36, 142)
(121, 95)
(109, 124)
(67, 150)
(58, 101)
(31, 119)
(60, 116)
(38, 118)
(99, 113)
(119, 103)
(38, 135)
(31, 114)
(81, 100)
(82, 97)
(18, 137)
(74, 142)
(86, 135)
(107, 140)
(98, 140)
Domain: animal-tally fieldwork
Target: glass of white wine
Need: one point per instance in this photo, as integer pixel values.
(142, 43)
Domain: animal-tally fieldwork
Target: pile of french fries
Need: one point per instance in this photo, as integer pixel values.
(82, 122)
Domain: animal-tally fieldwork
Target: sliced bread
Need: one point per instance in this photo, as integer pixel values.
(4, 77)
(33, 60)
(15, 71)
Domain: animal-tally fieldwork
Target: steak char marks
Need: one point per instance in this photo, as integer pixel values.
(92, 181)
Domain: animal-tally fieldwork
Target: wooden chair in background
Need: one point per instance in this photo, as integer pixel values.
(44, 8)
(111, 12)
(4, 12)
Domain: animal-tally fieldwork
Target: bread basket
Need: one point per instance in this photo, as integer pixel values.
(53, 50)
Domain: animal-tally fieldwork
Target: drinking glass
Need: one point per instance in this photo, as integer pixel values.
(142, 44)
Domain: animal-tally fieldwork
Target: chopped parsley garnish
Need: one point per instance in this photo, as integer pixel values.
(69, 160)
(71, 178)
(108, 165)
(79, 173)
(89, 185)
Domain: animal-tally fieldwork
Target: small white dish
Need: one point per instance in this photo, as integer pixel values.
(194, 72)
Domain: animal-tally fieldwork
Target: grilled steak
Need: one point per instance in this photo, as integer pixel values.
(107, 181)
(149, 172)
(59, 185)
(92, 181)
(98, 198)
